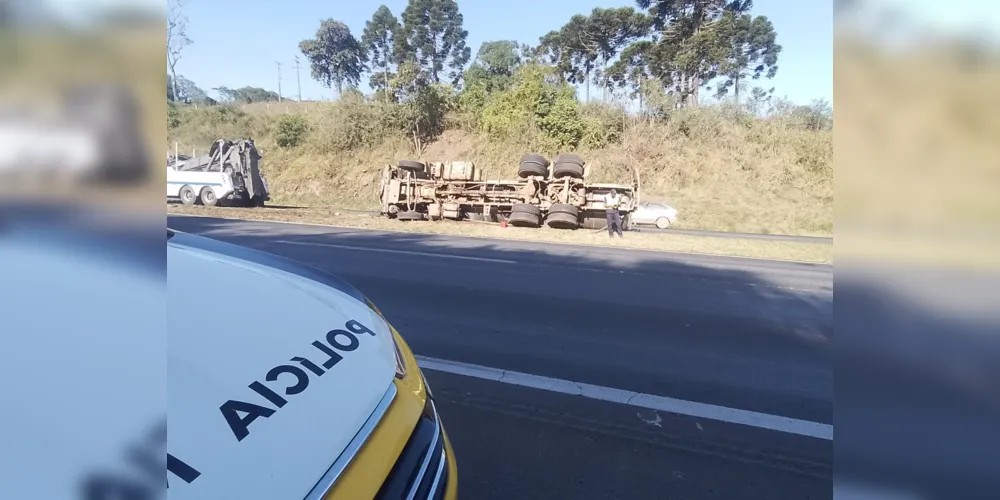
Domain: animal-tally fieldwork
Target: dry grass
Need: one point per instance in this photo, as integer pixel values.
(805, 252)
(722, 171)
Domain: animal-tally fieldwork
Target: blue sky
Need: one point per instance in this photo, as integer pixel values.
(238, 42)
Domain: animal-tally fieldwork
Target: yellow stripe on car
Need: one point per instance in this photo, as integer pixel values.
(371, 466)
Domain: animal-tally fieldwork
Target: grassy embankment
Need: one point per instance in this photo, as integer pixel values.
(721, 166)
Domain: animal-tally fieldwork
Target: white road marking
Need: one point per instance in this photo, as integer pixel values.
(405, 252)
(632, 398)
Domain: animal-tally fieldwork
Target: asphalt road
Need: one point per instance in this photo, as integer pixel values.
(821, 240)
(746, 334)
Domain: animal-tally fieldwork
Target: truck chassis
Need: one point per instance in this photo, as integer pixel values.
(555, 194)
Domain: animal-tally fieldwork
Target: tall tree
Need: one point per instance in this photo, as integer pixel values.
(613, 29)
(573, 50)
(633, 68)
(335, 56)
(177, 38)
(435, 38)
(379, 39)
(753, 51)
(693, 39)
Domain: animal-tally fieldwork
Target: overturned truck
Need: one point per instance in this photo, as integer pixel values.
(556, 194)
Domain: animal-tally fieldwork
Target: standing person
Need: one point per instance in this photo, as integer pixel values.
(611, 203)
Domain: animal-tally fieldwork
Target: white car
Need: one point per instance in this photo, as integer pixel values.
(656, 214)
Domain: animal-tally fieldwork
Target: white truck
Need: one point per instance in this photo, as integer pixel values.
(229, 173)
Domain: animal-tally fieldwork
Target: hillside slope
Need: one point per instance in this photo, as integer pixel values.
(723, 168)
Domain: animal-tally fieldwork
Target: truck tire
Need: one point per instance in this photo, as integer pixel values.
(414, 215)
(562, 220)
(208, 197)
(532, 164)
(187, 195)
(573, 159)
(565, 208)
(523, 219)
(567, 170)
(526, 208)
(412, 166)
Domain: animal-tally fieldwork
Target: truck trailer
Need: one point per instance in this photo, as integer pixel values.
(556, 194)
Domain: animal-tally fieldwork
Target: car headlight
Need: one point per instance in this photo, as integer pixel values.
(400, 363)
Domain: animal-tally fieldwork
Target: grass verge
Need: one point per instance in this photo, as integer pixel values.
(775, 250)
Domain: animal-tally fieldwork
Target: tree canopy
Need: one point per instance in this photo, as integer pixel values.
(335, 57)
(434, 39)
(379, 40)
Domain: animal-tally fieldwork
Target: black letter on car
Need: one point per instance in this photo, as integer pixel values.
(268, 394)
(358, 328)
(300, 385)
(309, 365)
(181, 469)
(334, 357)
(238, 425)
(352, 344)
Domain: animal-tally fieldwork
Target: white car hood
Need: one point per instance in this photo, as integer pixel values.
(230, 323)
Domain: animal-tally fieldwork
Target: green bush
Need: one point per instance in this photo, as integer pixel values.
(536, 98)
(602, 125)
(291, 131)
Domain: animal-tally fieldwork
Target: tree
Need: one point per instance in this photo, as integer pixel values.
(335, 56)
(633, 68)
(379, 40)
(572, 50)
(177, 38)
(434, 38)
(693, 40)
(612, 29)
(495, 65)
(424, 104)
(246, 94)
(753, 51)
(186, 91)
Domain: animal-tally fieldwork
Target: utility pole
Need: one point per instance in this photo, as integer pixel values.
(297, 80)
(279, 80)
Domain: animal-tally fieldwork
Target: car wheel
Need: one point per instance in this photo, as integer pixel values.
(662, 223)
(187, 195)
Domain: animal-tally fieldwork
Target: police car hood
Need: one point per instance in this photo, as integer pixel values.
(271, 372)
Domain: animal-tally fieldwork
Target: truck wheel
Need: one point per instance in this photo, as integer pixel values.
(187, 195)
(562, 220)
(662, 223)
(412, 166)
(208, 197)
(523, 219)
(565, 208)
(526, 208)
(567, 170)
(571, 159)
(532, 164)
(414, 215)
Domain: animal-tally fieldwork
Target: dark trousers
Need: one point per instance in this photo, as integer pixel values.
(614, 222)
